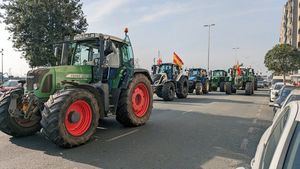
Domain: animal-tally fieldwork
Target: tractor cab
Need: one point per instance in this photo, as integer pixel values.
(170, 69)
(219, 73)
(197, 72)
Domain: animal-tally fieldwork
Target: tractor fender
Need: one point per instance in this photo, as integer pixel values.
(101, 94)
(143, 71)
(180, 76)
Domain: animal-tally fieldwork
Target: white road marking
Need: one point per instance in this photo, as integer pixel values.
(122, 135)
(102, 128)
(186, 112)
(244, 144)
(254, 121)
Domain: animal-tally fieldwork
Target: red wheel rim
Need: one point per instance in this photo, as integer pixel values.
(140, 100)
(78, 118)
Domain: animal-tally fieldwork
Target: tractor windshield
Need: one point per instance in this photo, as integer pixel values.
(86, 52)
(219, 73)
(165, 69)
(194, 72)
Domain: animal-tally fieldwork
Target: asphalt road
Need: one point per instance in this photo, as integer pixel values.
(212, 131)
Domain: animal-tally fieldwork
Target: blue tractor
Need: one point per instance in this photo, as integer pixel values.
(198, 81)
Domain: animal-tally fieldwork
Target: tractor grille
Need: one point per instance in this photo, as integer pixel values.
(35, 77)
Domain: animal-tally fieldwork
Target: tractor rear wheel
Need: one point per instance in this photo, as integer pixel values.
(14, 126)
(206, 87)
(168, 91)
(249, 88)
(70, 117)
(183, 88)
(199, 88)
(135, 103)
(228, 88)
(222, 86)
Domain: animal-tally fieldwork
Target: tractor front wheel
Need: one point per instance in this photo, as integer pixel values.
(183, 88)
(206, 88)
(135, 103)
(168, 91)
(228, 88)
(249, 88)
(70, 117)
(199, 88)
(16, 126)
(222, 86)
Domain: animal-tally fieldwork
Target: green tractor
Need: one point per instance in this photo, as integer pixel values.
(96, 78)
(241, 79)
(218, 80)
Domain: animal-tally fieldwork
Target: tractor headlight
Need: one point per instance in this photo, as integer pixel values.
(35, 86)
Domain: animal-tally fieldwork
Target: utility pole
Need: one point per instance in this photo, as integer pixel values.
(2, 80)
(209, 42)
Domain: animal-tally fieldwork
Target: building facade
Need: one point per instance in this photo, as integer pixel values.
(290, 24)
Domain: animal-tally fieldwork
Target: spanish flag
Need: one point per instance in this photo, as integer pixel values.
(177, 60)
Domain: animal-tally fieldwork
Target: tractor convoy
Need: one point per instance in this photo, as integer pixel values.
(96, 78)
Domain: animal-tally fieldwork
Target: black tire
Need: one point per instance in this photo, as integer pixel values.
(228, 88)
(191, 90)
(248, 88)
(222, 86)
(206, 87)
(199, 88)
(159, 91)
(213, 88)
(183, 88)
(233, 89)
(16, 127)
(55, 112)
(125, 113)
(168, 91)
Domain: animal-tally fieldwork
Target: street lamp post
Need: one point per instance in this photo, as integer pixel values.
(209, 41)
(2, 65)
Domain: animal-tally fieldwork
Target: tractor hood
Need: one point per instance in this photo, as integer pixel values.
(45, 81)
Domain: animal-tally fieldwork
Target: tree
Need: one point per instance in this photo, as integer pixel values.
(36, 25)
(282, 59)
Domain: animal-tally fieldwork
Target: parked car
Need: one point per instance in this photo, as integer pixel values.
(10, 85)
(283, 93)
(260, 84)
(279, 147)
(274, 90)
(293, 96)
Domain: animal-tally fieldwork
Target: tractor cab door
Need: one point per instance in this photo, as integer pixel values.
(176, 71)
(120, 65)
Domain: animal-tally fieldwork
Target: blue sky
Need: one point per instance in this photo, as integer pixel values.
(177, 25)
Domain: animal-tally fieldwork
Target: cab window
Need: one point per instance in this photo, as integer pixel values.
(274, 139)
(127, 53)
(292, 160)
(86, 52)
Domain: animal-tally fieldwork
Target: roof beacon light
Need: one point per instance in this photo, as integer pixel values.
(126, 30)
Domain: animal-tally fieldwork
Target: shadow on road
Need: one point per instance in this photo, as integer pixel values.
(204, 100)
(170, 139)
